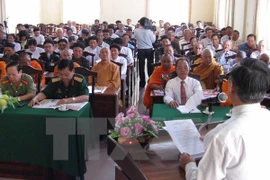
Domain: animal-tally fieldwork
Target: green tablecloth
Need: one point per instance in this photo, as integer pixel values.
(23, 137)
(164, 112)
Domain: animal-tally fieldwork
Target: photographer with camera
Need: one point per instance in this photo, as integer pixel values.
(145, 38)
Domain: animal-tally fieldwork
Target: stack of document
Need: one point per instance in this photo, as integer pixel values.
(191, 104)
(52, 104)
(98, 89)
(186, 137)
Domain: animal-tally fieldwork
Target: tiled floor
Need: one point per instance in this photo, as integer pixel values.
(99, 165)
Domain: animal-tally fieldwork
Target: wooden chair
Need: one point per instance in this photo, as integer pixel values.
(129, 169)
(183, 45)
(195, 76)
(87, 73)
(85, 53)
(123, 86)
(42, 28)
(34, 73)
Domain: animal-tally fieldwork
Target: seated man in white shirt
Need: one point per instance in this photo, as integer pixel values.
(237, 149)
(182, 87)
(206, 41)
(33, 49)
(93, 48)
(261, 50)
(120, 32)
(215, 46)
(228, 36)
(38, 37)
(115, 51)
(124, 50)
(60, 35)
(11, 39)
(226, 57)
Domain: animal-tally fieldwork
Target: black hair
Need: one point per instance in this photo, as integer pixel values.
(63, 40)
(165, 37)
(32, 42)
(252, 35)
(115, 46)
(80, 45)
(36, 29)
(23, 33)
(236, 32)
(85, 31)
(19, 25)
(69, 29)
(213, 35)
(26, 26)
(193, 37)
(229, 27)
(251, 80)
(105, 31)
(13, 35)
(118, 21)
(118, 41)
(65, 63)
(50, 41)
(13, 63)
(98, 31)
(8, 44)
(93, 38)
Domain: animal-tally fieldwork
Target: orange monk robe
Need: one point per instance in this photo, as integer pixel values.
(108, 74)
(198, 61)
(37, 66)
(55, 71)
(3, 69)
(155, 79)
(225, 89)
(209, 74)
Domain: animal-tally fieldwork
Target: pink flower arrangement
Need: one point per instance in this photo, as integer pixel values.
(134, 125)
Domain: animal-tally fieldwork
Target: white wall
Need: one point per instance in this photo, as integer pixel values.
(111, 10)
(51, 11)
(202, 10)
(244, 17)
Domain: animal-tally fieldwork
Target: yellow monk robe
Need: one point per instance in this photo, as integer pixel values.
(155, 79)
(37, 66)
(224, 88)
(198, 61)
(55, 71)
(3, 69)
(108, 74)
(209, 74)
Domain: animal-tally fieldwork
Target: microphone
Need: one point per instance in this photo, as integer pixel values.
(220, 98)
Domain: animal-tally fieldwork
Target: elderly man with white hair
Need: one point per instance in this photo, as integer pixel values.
(261, 50)
(59, 34)
(226, 57)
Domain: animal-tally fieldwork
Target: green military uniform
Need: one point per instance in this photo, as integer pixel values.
(82, 61)
(26, 86)
(57, 90)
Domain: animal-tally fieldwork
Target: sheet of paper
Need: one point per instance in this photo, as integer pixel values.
(194, 100)
(98, 89)
(47, 103)
(186, 137)
(51, 104)
(184, 110)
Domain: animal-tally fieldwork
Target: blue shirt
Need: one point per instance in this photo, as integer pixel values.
(247, 49)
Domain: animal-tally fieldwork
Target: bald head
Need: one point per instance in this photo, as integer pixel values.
(65, 54)
(207, 56)
(265, 58)
(105, 54)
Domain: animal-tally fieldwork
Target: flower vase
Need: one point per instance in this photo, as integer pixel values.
(142, 140)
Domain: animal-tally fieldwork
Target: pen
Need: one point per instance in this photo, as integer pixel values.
(190, 110)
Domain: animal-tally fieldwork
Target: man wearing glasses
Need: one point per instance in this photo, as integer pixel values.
(68, 86)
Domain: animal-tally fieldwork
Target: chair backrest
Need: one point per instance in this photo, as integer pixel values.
(85, 53)
(88, 74)
(156, 64)
(126, 163)
(195, 76)
(34, 73)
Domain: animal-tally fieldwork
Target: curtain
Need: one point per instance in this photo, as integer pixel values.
(3, 10)
(223, 15)
(262, 26)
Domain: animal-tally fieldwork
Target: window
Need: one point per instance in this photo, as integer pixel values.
(81, 11)
(18, 11)
(173, 11)
(263, 14)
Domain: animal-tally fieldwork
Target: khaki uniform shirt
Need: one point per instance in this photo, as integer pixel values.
(57, 90)
(26, 86)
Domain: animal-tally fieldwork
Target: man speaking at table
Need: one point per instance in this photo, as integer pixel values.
(238, 149)
(179, 89)
(68, 86)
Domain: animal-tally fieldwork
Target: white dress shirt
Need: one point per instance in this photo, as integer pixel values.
(224, 38)
(173, 86)
(145, 38)
(238, 149)
(205, 42)
(36, 53)
(17, 46)
(40, 39)
(210, 46)
(95, 51)
(113, 36)
(257, 54)
(123, 61)
(127, 51)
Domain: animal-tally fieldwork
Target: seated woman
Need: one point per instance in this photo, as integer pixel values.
(155, 81)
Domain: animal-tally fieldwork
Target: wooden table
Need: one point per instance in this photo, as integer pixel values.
(161, 163)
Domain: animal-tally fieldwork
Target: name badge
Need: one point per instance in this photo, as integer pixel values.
(51, 64)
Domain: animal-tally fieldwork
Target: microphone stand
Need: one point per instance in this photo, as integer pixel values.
(210, 113)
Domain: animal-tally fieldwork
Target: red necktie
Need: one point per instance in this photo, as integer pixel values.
(183, 93)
